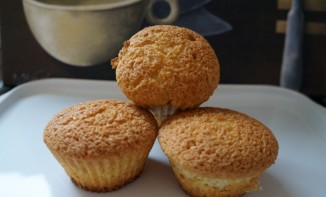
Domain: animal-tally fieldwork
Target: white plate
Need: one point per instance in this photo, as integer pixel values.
(27, 168)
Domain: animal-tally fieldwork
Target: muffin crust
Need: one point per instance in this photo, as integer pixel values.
(218, 143)
(167, 65)
(100, 128)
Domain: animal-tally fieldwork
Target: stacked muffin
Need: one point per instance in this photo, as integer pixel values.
(217, 152)
(170, 71)
(167, 68)
(102, 144)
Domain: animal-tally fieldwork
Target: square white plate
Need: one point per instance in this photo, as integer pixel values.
(27, 168)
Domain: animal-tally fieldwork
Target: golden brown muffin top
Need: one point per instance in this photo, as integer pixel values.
(100, 128)
(166, 64)
(218, 142)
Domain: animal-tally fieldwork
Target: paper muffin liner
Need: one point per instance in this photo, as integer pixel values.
(198, 185)
(103, 174)
(162, 112)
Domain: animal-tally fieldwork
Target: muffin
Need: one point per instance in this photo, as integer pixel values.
(217, 152)
(102, 144)
(167, 68)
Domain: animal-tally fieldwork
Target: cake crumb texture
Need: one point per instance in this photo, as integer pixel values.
(100, 128)
(167, 65)
(217, 142)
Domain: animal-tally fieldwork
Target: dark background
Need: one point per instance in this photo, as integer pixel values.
(249, 54)
(252, 52)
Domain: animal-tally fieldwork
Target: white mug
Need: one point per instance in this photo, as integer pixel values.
(89, 32)
(173, 15)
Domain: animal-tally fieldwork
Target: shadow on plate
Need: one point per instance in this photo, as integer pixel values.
(271, 187)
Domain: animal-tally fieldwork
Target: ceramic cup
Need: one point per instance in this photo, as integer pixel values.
(89, 32)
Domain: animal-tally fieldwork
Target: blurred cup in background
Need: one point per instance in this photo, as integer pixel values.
(89, 32)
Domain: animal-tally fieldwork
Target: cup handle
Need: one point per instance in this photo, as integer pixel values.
(174, 13)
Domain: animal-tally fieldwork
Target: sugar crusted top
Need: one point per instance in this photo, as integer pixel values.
(100, 128)
(166, 64)
(218, 142)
